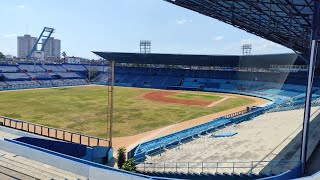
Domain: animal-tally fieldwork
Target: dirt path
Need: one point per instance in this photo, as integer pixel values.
(217, 102)
(131, 141)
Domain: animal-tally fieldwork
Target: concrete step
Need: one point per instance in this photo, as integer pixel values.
(32, 172)
(9, 174)
(44, 167)
(34, 169)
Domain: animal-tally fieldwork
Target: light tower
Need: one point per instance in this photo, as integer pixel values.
(45, 35)
(246, 49)
(145, 46)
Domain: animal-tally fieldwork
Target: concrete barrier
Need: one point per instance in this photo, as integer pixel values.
(78, 166)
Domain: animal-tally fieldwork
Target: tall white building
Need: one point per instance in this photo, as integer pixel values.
(53, 48)
(24, 45)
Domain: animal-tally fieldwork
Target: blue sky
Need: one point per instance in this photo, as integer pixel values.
(118, 25)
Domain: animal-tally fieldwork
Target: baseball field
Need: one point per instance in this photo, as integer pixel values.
(83, 109)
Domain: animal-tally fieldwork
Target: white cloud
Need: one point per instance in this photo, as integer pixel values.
(9, 35)
(217, 38)
(20, 6)
(183, 21)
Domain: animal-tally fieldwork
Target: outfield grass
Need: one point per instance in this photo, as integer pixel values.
(83, 109)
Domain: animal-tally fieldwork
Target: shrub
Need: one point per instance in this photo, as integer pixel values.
(121, 157)
(129, 165)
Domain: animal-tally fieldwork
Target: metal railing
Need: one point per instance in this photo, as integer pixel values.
(239, 113)
(54, 133)
(267, 167)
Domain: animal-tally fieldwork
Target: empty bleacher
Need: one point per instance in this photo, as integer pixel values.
(40, 76)
(16, 76)
(99, 68)
(69, 75)
(54, 68)
(8, 68)
(31, 68)
(74, 67)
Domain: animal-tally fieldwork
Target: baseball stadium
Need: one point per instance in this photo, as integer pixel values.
(179, 116)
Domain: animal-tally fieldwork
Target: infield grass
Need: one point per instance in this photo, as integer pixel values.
(197, 96)
(83, 109)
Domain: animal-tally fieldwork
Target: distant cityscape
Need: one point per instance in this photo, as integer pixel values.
(25, 44)
(50, 54)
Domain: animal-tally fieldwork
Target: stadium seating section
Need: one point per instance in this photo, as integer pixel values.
(25, 76)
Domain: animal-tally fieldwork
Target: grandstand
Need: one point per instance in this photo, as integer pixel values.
(36, 76)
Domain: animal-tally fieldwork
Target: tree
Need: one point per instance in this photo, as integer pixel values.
(92, 72)
(64, 54)
(2, 56)
(129, 165)
(121, 157)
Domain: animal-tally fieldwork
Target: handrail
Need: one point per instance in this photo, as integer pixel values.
(236, 113)
(245, 166)
(51, 132)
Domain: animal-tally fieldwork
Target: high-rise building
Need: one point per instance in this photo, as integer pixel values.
(53, 48)
(24, 45)
(57, 48)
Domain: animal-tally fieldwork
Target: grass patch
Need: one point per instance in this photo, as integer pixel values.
(83, 109)
(198, 96)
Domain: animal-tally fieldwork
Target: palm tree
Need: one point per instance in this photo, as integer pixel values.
(64, 54)
(2, 56)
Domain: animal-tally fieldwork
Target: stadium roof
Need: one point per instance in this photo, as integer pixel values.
(200, 60)
(169, 59)
(287, 22)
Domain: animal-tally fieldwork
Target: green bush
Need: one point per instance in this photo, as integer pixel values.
(121, 157)
(129, 165)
